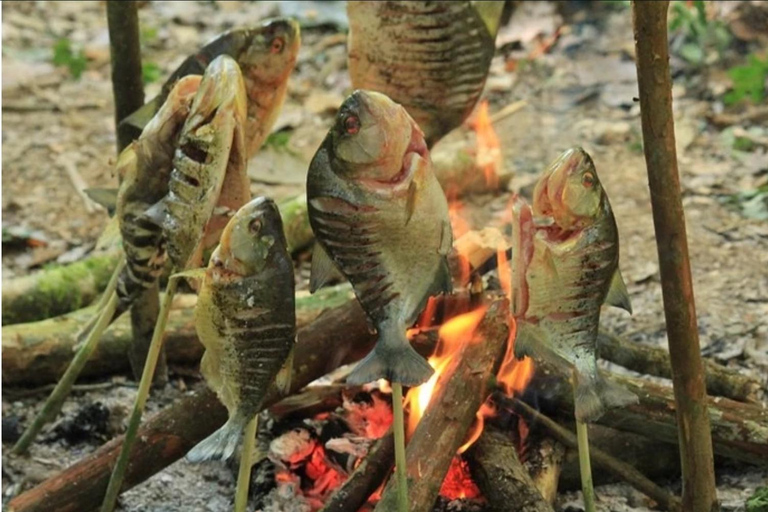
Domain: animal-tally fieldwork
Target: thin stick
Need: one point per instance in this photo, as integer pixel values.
(601, 458)
(649, 21)
(53, 404)
(106, 296)
(118, 474)
(246, 456)
(585, 467)
(400, 463)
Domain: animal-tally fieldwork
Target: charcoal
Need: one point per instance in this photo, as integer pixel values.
(90, 423)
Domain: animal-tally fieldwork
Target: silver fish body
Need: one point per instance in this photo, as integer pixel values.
(565, 265)
(381, 218)
(431, 57)
(245, 318)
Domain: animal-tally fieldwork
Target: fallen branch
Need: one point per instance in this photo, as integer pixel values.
(366, 478)
(721, 381)
(600, 458)
(649, 21)
(62, 289)
(458, 394)
(57, 290)
(38, 353)
(497, 471)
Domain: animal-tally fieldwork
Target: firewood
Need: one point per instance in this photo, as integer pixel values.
(338, 336)
(366, 478)
(550, 458)
(311, 401)
(721, 381)
(497, 471)
(62, 289)
(602, 459)
(38, 353)
(457, 396)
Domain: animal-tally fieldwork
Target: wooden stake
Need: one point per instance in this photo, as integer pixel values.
(400, 462)
(652, 49)
(246, 461)
(585, 467)
(116, 480)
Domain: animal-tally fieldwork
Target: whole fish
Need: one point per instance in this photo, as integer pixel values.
(565, 266)
(431, 57)
(245, 318)
(211, 147)
(145, 168)
(381, 218)
(266, 55)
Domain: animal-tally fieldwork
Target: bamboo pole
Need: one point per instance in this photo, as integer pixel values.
(649, 20)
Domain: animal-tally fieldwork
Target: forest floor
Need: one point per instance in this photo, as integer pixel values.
(574, 69)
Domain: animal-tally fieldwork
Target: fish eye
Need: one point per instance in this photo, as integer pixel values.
(277, 45)
(254, 226)
(588, 180)
(351, 124)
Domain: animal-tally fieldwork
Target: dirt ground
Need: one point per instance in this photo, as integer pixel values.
(59, 137)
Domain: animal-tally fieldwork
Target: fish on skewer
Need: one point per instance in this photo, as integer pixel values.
(565, 266)
(380, 218)
(245, 318)
(266, 55)
(431, 57)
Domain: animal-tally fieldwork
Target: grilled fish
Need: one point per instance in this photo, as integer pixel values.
(245, 318)
(565, 266)
(211, 147)
(381, 218)
(431, 57)
(266, 55)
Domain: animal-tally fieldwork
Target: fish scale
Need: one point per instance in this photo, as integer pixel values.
(431, 57)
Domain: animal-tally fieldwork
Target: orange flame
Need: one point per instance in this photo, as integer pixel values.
(487, 410)
(458, 223)
(488, 156)
(453, 335)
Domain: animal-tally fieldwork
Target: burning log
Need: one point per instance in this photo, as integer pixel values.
(338, 336)
(366, 478)
(625, 471)
(721, 381)
(38, 353)
(549, 458)
(505, 482)
(311, 401)
(459, 392)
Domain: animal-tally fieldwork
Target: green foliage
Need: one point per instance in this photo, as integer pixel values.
(701, 37)
(759, 501)
(748, 81)
(150, 72)
(65, 55)
(752, 204)
(278, 140)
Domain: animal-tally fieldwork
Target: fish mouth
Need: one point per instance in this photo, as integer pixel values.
(416, 152)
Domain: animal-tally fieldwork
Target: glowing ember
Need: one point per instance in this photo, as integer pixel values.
(326, 478)
(458, 482)
(488, 157)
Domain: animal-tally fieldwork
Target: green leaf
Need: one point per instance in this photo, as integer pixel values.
(748, 81)
(150, 72)
(759, 501)
(692, 52)
(278, 139)
(64, 55)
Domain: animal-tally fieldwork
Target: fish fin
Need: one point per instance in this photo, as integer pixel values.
(530, 341)
(446, 239)
(134, 124)
(106, 197)
(393, 358)
(220, 445)
(323, 270)
(157, 213)
(110, 237)
(283, 379)
(594, 396)
(617, 293)
(443, 279)
(418, 180)
(490, 13)
(410, 203)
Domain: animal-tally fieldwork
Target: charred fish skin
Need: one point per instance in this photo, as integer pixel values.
(567, 267)
(381, 218)
(245, 318)
(145, 168)
(255, 50)
(212, 135)
(431, 57)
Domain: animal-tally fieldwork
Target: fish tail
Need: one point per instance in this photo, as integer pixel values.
(220, 445)
(594, 396)
(393, 359)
